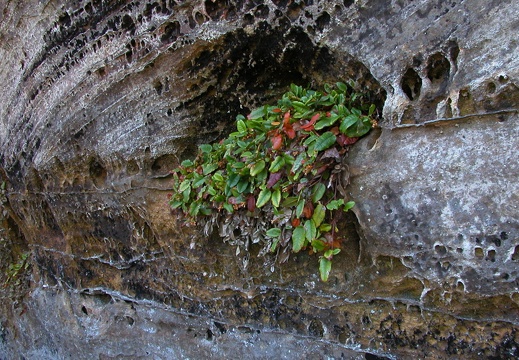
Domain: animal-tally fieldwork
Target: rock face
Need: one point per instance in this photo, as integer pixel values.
(100, 100)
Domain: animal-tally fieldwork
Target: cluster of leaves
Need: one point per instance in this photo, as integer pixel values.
(16, 268)
(283, 162)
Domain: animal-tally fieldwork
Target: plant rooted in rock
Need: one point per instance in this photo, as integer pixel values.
(278, 177)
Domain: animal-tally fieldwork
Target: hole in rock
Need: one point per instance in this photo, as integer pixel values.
(411, 84)
(440, 249)
(316, 328)
(256, 68)
(171, 32)
(216, 8)
(478, 252)
(128, 24)
(262, 12)
(221, 327)
(157, 85)
(209, 335)
(132, 167)
(97, 172)
(438, 69)
(369, 356)
(322, 21)
(515, 255)
(491, 88)
(163, 164)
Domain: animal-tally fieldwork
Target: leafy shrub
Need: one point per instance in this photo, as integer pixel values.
(277, 178)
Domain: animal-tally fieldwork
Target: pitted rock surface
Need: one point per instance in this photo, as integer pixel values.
(101, 99)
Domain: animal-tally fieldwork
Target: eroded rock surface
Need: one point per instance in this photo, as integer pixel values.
(100, 100)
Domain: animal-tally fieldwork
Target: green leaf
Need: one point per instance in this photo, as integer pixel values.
(318, 245)
(326, 121)
(289, 201)
(277, 164)
(310, 230)
(257, 168)
(347, 122)
(328, 88)
(217, 177)
(176, 204)
(241, 126)
(311, 139)
(238, 165)
(361, 127)
(263, 197)
(233, 180)
(342, 87)
(198, 181)
(331, 252)
(273, 232)
(276, 197)
(257, 113)
(371, 109)
(325, 228)
(335, 204)
(209, 168)
(298, 239)
(194, 208)
(349, 205)
(318, 215)
(299, 162)
(274, 245)
(300, 107)
(186, 184)
(300, 207)
(205, 211)
(325, 141)
(242, 186)
(205, 148)
(228, 207)
(325, 266)
(317, 192)
(185, 195)
(186, 163)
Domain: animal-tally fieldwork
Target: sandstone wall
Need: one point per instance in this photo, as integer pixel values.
(101, 99)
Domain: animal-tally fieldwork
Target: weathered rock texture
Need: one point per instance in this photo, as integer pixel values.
(101, 99)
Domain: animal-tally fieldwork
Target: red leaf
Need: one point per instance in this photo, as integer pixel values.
(286, 118)
(350, 140)
(290, 132)
(308, 210)
(287, 126)
(251, 203)
(310, 125)
(343, 140)
(277, 141)
(296, 222)
(276, 110)
(322, 169)
(273, 179)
